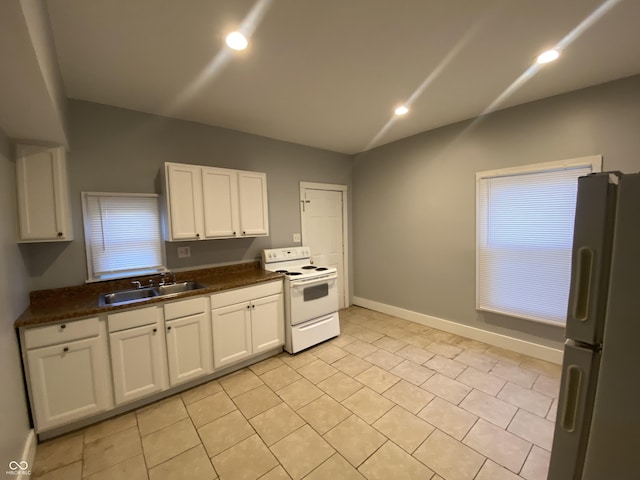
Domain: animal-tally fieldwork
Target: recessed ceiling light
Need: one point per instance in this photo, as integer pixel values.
(548, 56)
(401, 110)
(237, 41)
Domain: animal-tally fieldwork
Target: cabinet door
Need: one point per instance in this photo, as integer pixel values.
(267, 323)
(231, 334)
(254, 209)
(43, 203)
(220, 194)
(139, 362)
(184, 197)
(68, 381)
(189, 348)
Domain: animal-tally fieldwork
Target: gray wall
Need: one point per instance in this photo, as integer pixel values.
(117, 150)
(414, 200)
(14, 295)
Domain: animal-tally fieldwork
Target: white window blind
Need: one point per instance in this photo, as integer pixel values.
(524, 241)
(122, 234)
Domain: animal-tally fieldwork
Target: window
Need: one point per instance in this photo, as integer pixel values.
(122, 234)
(524, 234)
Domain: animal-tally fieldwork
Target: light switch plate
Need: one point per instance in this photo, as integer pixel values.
(184, 252)
(296, 238)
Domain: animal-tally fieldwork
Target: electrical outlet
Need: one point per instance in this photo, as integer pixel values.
(296, 238)
(184, 252)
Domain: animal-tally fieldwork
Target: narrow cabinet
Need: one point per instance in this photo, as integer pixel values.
(184, 200)
(267, 326)
(231, 334)
(68, 374)
(253, 205)
(138, 353)
(204, 203)
(220, 202)
(44, 213)
(188, 334)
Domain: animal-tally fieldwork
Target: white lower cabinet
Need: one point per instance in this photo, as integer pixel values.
(138, 354)
(70, 380)
(188, 333)
(267, 323)
(152, 348)
(244, 328)
(231, 334)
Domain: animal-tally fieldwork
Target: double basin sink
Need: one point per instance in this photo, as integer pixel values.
(123, 297)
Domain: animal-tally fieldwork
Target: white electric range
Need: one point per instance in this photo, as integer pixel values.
(311, 297)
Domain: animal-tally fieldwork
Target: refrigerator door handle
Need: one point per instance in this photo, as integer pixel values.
(575, 410)
(582, 282)
(571, 398)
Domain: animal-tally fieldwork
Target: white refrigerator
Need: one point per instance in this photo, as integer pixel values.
(597, 432)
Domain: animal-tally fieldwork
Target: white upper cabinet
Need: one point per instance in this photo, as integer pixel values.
(43, 197)
(207, 203)
(184, 197)
(220, 198)
(254, 215)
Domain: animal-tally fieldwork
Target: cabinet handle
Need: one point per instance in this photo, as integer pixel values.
(155, 330)
(169, 328)
(197, 235)
(60, 234)
(63, 326)
(234, 234)
(65, 349)
(244, 233)
(248, 307)
(253, 306)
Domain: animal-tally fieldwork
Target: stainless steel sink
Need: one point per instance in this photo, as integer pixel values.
(179, 288)
(128, 296)
(122, 297)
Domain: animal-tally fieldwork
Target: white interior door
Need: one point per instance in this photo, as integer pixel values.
(324, 229)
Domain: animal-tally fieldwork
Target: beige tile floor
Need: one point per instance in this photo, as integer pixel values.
(386, 399)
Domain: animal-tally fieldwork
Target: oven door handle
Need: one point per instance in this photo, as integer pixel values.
(312, 281)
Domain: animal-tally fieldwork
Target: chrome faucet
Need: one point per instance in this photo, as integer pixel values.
(167, 278)
(136, 284)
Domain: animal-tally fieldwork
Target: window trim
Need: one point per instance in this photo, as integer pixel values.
(91, 277)
(594, 161)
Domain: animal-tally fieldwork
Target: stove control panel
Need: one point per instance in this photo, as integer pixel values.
(283, 254)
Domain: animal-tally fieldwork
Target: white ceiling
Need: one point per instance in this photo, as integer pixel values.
(328, 73)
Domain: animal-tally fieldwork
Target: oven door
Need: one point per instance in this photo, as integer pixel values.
(313, 297)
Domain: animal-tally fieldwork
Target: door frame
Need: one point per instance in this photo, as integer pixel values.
(345, 227)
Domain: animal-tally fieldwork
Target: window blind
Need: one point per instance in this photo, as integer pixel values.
(525, 237)
(122, 234)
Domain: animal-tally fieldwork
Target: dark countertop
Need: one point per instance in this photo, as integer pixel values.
(50, 306)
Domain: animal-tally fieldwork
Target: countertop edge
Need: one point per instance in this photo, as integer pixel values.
(29, 318)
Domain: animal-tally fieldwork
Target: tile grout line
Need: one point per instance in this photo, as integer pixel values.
(369, 335)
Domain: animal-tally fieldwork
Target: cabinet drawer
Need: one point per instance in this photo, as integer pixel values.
(184, 308)
(245, 294)
(61, 332)
(132, 318)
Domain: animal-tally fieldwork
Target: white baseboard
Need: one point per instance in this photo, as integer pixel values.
(496, 339)
(28, 454)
